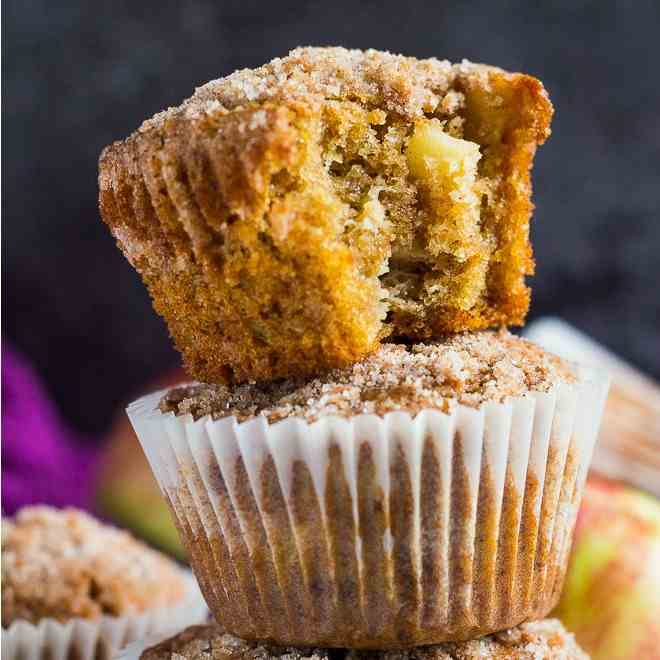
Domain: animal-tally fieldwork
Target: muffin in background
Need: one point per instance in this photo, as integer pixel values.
(71, 583)
(425, 494)
(536, 640)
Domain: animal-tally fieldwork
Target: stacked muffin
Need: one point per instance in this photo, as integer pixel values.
(363, 464)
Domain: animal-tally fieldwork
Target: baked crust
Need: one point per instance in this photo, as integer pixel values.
(537, 640)
(271, 214)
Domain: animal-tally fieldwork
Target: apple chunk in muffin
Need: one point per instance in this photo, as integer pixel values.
(288, 219)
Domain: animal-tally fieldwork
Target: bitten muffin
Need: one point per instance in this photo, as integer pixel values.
(63, 564)
(425, 494)
(538, 640)
(287, 219)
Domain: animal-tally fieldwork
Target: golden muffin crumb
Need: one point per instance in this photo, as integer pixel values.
(469, 369)
(64, 564)
(538, 640)
(288, 219)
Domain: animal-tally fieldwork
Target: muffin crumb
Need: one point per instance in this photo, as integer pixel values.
(468, 369)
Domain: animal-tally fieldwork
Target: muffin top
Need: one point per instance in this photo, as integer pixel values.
(400, 84)
(468, 369)
(538, 640)
(64, 564)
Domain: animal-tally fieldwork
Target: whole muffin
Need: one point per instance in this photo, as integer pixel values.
(537, 640)
(288, 219)
(427, 493)
(71, 584)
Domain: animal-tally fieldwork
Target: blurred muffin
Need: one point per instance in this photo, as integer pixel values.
(287, 219)
(538, 640)
(63, 564)
(64, 572)
(427, 493)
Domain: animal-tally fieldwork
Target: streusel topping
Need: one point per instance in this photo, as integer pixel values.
(401, 84)
(469, 369)
(537, 640)
(64, 564)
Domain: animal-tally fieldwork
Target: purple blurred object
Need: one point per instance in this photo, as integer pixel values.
(43, 462)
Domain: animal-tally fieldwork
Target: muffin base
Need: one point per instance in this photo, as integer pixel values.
(379, 532)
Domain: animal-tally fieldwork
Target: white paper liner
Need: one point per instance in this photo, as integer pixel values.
(629, 443)
(96, 639)
(379, 531)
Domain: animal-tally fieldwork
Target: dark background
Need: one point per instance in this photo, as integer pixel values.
(77, 76)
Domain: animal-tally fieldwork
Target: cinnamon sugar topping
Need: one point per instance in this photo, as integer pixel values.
(469, 369)
(401, 84)
(538, 640)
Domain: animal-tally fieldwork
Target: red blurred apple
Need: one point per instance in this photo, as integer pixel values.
(611, 598)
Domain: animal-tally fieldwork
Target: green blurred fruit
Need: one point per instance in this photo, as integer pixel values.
(127, 492)
(611, 598)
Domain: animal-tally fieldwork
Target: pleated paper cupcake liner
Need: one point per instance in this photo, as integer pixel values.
(629, 444)
(97, 639)
(379, 532)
